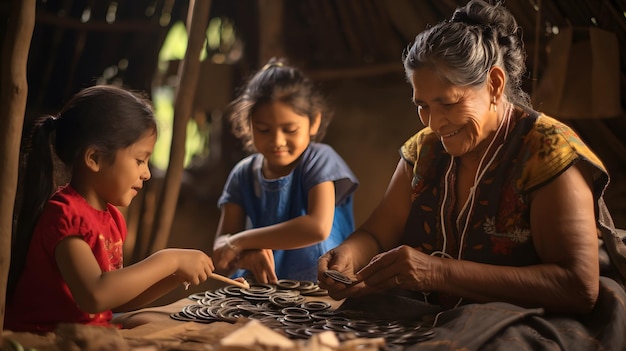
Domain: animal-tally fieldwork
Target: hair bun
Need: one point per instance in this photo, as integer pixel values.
(461, 16)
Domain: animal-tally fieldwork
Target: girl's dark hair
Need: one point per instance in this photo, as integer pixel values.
(277, 82)
(464, 48)
(108, 118)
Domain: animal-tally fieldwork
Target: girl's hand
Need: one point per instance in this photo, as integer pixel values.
(225, 254)
(193, 266)
(402, 267)
(260, 263)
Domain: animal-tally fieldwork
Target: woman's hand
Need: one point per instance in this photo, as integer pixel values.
(381, 231)
(260, 263)
(339, 259)
(402, 267)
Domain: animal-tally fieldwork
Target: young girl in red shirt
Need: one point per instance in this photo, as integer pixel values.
(66, 262)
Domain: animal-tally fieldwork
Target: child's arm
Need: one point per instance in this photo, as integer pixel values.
(96, 291)
(308, 229)
(258, 261)
(232, 220)
(157, 290)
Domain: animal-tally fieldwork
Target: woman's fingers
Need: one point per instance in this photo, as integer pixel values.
(386, 269)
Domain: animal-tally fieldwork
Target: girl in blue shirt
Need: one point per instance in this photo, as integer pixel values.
(290, 201)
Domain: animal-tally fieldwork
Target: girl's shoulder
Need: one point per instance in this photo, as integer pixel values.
(316, 147)
(66, 201)
(321, 163)
(69, 212)
(321, 155)
(246, 163)
(320, 151)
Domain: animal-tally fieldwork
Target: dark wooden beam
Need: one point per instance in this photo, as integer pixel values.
(13, 94)
(183, 108)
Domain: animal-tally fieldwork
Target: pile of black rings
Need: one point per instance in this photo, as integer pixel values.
(284, 307)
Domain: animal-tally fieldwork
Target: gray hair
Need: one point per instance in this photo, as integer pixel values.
(463, 49)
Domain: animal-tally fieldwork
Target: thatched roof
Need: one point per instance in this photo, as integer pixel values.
(77, 42)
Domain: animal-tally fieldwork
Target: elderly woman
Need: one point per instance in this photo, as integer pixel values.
(492, 206)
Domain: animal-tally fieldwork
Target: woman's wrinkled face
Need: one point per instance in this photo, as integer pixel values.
(460, 116)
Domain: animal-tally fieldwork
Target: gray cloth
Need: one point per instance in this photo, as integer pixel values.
(502, 326)
(612, 239)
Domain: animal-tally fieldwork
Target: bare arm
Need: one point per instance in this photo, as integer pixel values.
(383, 229)
(380, 232)
(564, 233)
(96, 291)
(154, 292)
(387, 221)
(311, 228)
(259, 261)
(232, 220)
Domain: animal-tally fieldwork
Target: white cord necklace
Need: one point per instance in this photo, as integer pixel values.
(480, 172)
(469, 203)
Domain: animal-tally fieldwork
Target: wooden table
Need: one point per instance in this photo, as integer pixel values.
(152, 327)
(155, 323)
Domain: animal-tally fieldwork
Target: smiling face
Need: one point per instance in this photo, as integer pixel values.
(281, 135)
(118, 181)
(462, 117)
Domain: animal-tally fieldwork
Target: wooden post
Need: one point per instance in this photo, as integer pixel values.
(270, 30)
(188, 72)
(13, 93)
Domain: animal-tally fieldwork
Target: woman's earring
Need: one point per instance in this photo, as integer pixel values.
(493, 104)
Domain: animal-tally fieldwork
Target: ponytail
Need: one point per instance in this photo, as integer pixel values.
(39, 181)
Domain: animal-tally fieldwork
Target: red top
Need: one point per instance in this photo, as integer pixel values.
(42, 299)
